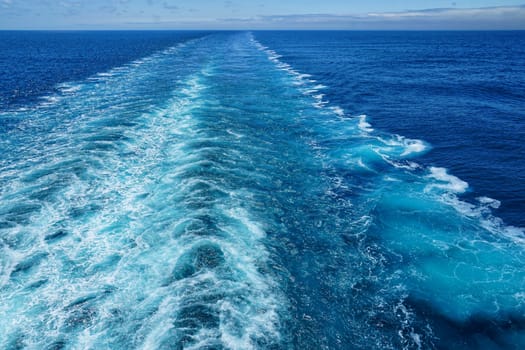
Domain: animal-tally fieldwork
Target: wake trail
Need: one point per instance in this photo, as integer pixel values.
(130, 227)
(210, 196)
(399, 233)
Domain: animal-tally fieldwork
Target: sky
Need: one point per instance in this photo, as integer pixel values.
(259, 14)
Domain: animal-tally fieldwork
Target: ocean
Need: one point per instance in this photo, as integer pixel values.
(262, 190)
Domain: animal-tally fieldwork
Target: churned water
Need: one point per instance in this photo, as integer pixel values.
(201, 191)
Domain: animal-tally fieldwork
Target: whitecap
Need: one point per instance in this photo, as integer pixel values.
(338, 110)
(493, 203)
(319, 104)
(49, 100)
(363, 124)
(68, 88)
(105, 74)
(447, 182)
(413, 146)
(486, 219)
(403, 164)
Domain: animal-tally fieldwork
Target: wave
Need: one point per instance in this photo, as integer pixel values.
(133, 233)
(209, 196)
(442, 260)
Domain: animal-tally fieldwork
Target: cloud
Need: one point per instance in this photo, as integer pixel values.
(71, 7)
(170, 7)
(174, 17)
(503, 17)
(6, 3)
(431, 19)
(108, 9)
(487, 12)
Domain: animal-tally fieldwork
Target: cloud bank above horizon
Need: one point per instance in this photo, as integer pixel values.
(272, 14)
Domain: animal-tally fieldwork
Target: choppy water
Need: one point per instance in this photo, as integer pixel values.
(462, 92)
(207, 197)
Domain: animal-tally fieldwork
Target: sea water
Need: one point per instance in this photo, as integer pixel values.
(221, 191)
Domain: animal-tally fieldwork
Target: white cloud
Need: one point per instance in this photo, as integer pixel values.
(488, 12)
(488, 18)
(508, 17)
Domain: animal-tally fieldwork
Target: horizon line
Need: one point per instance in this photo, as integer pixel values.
(495, 18)
(251, 30)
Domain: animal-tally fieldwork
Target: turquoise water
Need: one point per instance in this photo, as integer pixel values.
(207, 197)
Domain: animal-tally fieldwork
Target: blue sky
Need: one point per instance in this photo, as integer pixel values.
(267, 14)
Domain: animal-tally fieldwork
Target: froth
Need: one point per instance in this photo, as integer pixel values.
(493, 203)
(363, 124)
(446, 181)
(413, 146)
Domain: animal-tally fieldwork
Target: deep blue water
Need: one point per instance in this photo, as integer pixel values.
(32, 64)
(265, 190)
(463, 92)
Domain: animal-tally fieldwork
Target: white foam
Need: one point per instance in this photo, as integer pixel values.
(483, 213)
(310, 91)
(69, 89)
(303, 75)
(493, 203)
(319, 104)
(447, 182)
(403, 165)
(409, 146)
(338, 110)
(105, 74)
(273, 55)
(242, 216)
(362, 164)
(363, 124)
(391, 179)
(284, 65)
(233, 133)
(413, 146)
(49, 100)
(140, 229)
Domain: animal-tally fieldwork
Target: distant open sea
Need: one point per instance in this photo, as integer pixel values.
(262, 190)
